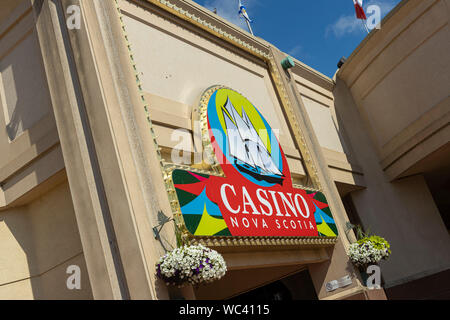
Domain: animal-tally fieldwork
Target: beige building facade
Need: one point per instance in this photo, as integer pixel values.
(92, 115)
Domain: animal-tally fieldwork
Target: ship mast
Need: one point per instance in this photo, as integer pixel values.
(245, 143)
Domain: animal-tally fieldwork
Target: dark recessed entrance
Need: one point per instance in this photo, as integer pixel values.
(295, 287)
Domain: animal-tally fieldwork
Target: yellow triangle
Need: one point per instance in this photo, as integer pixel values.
(209, 226)
(325, 229)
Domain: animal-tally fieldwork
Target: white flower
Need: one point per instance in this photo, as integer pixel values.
(365, 253)
(191, 264)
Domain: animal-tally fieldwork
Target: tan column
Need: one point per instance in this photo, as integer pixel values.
(87, 194)
(98, 110)
(339, 265)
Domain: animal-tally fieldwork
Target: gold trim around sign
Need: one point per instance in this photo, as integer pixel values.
(167, 168)
(201, 114)
(251, 242)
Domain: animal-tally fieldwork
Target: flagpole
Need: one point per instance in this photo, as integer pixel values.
(365, 26)
(249, 27)
(360, 14)
(243, 14)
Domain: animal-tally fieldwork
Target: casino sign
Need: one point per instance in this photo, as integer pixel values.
(252, 195)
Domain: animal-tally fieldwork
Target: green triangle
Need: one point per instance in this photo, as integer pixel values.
(185, 197)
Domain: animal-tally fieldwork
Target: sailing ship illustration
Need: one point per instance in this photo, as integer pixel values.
(246, 147)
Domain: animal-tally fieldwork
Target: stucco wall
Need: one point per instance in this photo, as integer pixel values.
(28, 137)
(399, 79)
(316, 91)
(22, 79)
(38, 242)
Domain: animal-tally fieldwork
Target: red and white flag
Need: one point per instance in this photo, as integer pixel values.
(360, 14)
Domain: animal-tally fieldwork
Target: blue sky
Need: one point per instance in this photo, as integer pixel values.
(317, 32)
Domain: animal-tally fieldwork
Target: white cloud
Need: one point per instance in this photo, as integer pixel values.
(348, 24)
(296, 51)
(345, 25)
(229, 10)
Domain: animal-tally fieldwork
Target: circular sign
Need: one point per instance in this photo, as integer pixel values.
(243, 139)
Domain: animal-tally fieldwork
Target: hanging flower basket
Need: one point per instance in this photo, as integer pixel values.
(369, 251)
(191, 265)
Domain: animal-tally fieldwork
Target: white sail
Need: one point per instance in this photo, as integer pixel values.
(236, 144)
(254, 135)
(253, 151)
(243, 128)
(245, 143)
(264, 159)
(269, 165)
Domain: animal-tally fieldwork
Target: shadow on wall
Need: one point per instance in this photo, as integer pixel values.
(25, 91)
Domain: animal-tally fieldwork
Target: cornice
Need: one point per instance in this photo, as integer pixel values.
(285, 243)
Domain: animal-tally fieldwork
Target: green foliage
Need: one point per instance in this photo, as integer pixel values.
(378, 242)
